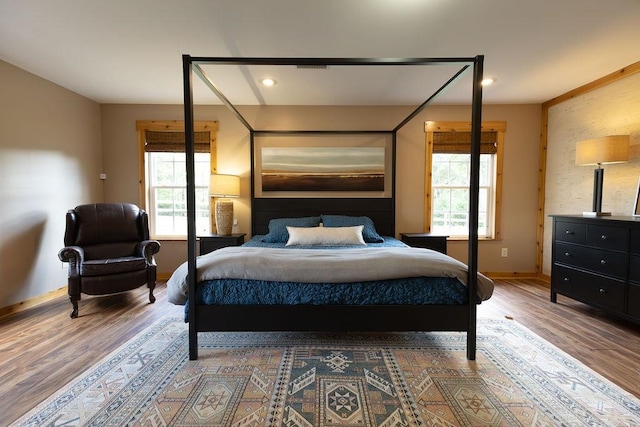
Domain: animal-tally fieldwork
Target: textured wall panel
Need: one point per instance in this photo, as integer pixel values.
(609, 110)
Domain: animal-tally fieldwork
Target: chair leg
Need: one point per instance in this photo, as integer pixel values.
(152, 298)
(74, 302)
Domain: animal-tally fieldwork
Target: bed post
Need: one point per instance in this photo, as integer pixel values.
(191, 203)
(476, 128)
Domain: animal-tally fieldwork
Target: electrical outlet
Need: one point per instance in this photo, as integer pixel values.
(235, 222)
(505, 252)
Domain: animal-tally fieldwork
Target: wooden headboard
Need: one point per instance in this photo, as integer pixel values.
(380, 210)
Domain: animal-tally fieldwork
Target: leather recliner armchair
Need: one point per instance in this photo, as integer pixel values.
(108, 249)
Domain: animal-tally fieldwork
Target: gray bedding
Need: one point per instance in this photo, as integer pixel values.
(269, 274)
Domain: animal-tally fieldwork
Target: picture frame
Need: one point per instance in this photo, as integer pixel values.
(636, 205)
(302, 165)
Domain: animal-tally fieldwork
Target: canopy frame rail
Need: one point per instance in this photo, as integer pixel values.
(192, 64)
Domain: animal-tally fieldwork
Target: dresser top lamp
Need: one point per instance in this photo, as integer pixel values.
(598, 152)
(224, 187)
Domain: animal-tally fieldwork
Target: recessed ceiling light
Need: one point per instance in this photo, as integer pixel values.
(489, 81)
(268, 82)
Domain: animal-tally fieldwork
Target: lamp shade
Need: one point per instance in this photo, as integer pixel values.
(607, 149)
(224, 185)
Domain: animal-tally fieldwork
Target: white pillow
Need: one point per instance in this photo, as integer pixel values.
(325, 236)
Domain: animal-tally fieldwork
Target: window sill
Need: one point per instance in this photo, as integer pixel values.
(171, 238)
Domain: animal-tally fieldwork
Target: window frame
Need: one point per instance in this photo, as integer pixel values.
(170, 125)
(500, 127)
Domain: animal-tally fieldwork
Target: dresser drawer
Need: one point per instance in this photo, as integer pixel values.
(634, 269)
(570, 232)
(634, 245)
(633, 301)
(590, 288)
(598, 260)
(606, 237)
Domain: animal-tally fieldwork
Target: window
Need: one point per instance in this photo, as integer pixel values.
(167, 195)
(164, 180)
(448, 178)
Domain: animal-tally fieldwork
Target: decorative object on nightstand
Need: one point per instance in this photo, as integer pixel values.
(425, 240)
(213, 242)
(600, 151)
(224, 186)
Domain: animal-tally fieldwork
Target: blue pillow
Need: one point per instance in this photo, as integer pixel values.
(369, 232)
(278, 227)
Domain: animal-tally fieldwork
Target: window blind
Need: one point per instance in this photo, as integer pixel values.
(460, 142)
(174, 142)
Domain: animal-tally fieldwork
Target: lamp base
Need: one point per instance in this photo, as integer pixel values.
(224, 216)
(595, 214)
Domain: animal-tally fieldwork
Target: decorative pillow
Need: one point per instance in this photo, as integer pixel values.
(369, 231)
(336, 236)
(278, 227)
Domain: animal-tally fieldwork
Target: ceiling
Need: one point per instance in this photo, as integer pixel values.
(130, 51)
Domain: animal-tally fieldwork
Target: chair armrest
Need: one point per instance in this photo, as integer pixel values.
(147, 248)
(74, 255)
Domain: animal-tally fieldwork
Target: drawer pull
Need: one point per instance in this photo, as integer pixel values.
(567, 254)
(568, 232)
(602, 291)
(566, 279)
(603, 262)
(603, 237)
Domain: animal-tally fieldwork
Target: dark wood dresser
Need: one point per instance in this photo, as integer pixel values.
(596, 260)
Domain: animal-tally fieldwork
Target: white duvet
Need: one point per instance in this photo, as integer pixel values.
(321, 266)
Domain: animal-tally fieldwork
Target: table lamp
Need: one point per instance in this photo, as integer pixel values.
(600, 151)
(224, 186)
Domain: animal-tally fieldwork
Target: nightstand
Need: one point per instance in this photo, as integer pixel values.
(212, 242)
(425, 240)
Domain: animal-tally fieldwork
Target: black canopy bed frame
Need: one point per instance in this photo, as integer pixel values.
(204, 318)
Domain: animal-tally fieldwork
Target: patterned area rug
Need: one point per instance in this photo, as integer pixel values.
(298, 379)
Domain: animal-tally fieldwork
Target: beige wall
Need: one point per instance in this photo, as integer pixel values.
(520, 169)
(50, 160)
(609, 110)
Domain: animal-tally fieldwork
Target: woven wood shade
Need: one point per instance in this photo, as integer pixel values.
(174, 142)
(460, 142)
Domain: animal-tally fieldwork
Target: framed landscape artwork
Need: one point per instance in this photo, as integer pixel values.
(328, 166)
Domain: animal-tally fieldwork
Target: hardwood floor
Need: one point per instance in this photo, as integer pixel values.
(42, 348)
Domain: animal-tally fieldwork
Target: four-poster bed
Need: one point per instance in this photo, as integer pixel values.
(266, 212)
